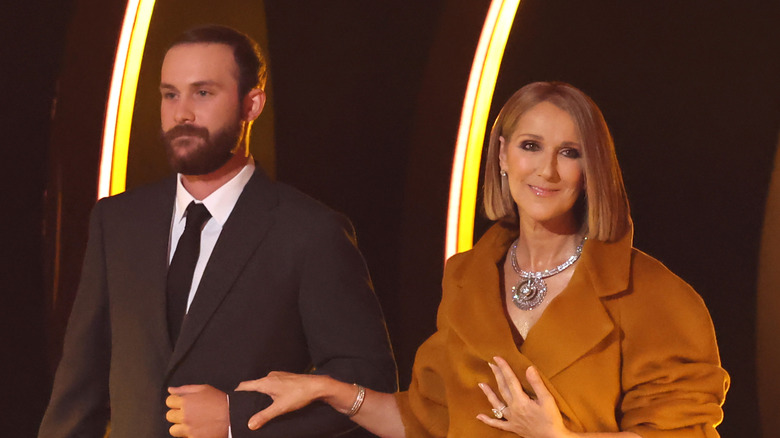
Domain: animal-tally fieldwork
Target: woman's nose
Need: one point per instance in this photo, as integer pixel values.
(548, 167)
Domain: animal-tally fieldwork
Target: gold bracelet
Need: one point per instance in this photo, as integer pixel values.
(361, 395)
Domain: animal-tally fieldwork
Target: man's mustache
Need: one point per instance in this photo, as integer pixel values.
(188, 130)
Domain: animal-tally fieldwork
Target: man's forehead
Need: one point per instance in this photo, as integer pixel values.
(186, 59)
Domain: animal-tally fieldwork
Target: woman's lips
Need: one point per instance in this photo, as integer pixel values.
(540, 191)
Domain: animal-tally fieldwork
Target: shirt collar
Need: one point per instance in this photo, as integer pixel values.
(220, 203)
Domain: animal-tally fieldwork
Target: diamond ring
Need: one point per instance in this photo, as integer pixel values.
(499, 413)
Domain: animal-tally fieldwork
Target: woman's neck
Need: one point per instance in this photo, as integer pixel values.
(541, 247)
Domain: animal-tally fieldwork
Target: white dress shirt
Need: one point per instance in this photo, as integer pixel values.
(220, 204)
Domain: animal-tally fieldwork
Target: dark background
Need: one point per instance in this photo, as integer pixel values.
(367, 101)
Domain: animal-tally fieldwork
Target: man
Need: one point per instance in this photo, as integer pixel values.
(269, 279)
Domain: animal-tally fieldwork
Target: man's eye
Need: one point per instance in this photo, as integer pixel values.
(203, 93)
(169, 96)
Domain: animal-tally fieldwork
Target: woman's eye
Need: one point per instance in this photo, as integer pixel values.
(570, 153)
(529, 146)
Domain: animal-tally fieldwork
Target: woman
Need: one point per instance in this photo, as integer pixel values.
(552, 325)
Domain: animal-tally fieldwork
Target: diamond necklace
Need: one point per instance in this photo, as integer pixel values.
(530, 291)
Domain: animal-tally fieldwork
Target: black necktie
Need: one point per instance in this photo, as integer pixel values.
(182, 266)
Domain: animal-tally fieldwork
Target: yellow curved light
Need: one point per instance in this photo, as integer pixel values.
(121, 97)
(473, 123)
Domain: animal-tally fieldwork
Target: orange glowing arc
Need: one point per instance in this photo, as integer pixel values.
(473, 124)
(121, 97)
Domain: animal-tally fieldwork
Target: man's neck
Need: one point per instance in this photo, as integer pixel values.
(201, 186)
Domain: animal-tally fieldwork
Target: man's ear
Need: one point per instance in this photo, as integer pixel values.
(253, 104)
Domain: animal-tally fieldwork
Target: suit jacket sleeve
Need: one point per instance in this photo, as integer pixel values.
(344, 329)
(79, 403)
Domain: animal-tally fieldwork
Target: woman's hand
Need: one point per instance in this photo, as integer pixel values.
(289, 392)
(523, 415)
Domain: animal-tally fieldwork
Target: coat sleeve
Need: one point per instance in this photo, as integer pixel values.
(424, 407)
(673, 383)
(79, 405)
(344, 328)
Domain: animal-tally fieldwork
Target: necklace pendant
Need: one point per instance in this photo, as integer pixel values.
(529, 293)
(531, 289)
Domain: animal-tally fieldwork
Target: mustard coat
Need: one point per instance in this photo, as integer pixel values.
(627, 346)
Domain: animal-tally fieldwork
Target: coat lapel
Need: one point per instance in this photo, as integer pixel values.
(244, 230)
(573, 323)
(475, 310)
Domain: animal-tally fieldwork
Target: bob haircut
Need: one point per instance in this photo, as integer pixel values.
(606, 214)
(249, 58)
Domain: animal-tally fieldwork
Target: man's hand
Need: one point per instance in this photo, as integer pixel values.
(198, 411)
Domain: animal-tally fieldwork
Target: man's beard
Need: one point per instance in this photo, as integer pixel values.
(205, 154)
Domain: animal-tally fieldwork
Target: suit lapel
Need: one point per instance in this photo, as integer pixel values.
(150, 258)
(244, 230)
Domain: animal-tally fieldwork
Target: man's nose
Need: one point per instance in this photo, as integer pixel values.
(184, 112)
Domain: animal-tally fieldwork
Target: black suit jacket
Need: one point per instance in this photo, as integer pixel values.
(285, 289)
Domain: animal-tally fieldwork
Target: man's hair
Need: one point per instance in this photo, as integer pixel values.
(247, 54)
(606, 215)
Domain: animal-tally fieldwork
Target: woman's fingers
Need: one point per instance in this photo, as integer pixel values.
(259, 419)
(493, 399)
(501, 384)
(540, 389)
(509, 386)
(289, 392)
(523, 416)
(493, 422)
(251, 385)
(266, 384)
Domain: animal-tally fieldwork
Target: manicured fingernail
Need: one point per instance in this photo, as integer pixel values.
(252, 425)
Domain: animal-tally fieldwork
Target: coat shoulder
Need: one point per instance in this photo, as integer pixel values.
(655, 290)
(649, 276)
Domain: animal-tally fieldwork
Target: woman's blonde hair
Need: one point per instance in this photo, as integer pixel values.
(606, 214)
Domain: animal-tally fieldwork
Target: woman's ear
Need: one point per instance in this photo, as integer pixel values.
(502, 152)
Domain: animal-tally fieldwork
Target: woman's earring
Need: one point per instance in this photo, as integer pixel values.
(503, 173)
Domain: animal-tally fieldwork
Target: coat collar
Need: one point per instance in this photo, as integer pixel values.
(573, 323)
(246, 227)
